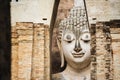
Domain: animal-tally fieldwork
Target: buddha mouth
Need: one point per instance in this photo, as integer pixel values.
(78, 55)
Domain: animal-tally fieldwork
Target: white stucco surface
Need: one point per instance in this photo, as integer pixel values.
(36, 10)
(31, 11)
(103, 10)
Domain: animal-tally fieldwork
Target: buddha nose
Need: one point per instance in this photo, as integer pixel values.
(77, 46)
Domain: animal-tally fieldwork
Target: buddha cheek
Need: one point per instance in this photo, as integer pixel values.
(67, 50)
(86, 50)
(68, 47)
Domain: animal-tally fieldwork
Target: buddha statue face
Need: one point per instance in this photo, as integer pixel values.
(76, 48)
(74, 37)
(75, 44)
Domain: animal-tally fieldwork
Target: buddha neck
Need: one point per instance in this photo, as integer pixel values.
(71, 74)
(78, 69)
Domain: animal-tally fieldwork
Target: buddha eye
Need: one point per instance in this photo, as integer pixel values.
(69, 41)
(68, 38)
(86, 37)
(86, 41)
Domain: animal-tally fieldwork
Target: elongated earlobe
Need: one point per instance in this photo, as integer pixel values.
(61, 53)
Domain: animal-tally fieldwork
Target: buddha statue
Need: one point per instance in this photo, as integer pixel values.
(74, 44)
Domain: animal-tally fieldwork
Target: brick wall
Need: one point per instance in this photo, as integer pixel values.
(30, 51)
(115, 35)
(102, 56)
(105, 51)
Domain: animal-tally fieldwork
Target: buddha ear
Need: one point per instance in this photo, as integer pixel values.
(61, 53)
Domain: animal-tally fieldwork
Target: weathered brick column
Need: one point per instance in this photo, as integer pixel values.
(100, 51)
(41, 58)
(93, 52)
(115, 34)
(101, 65)
(47, 54)
(25, 40)
(14, 57)
(38, 52)
(109, 54)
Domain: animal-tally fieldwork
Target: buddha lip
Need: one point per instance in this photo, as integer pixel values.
(78, 55)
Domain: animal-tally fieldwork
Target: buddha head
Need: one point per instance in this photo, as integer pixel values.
(74, 39)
